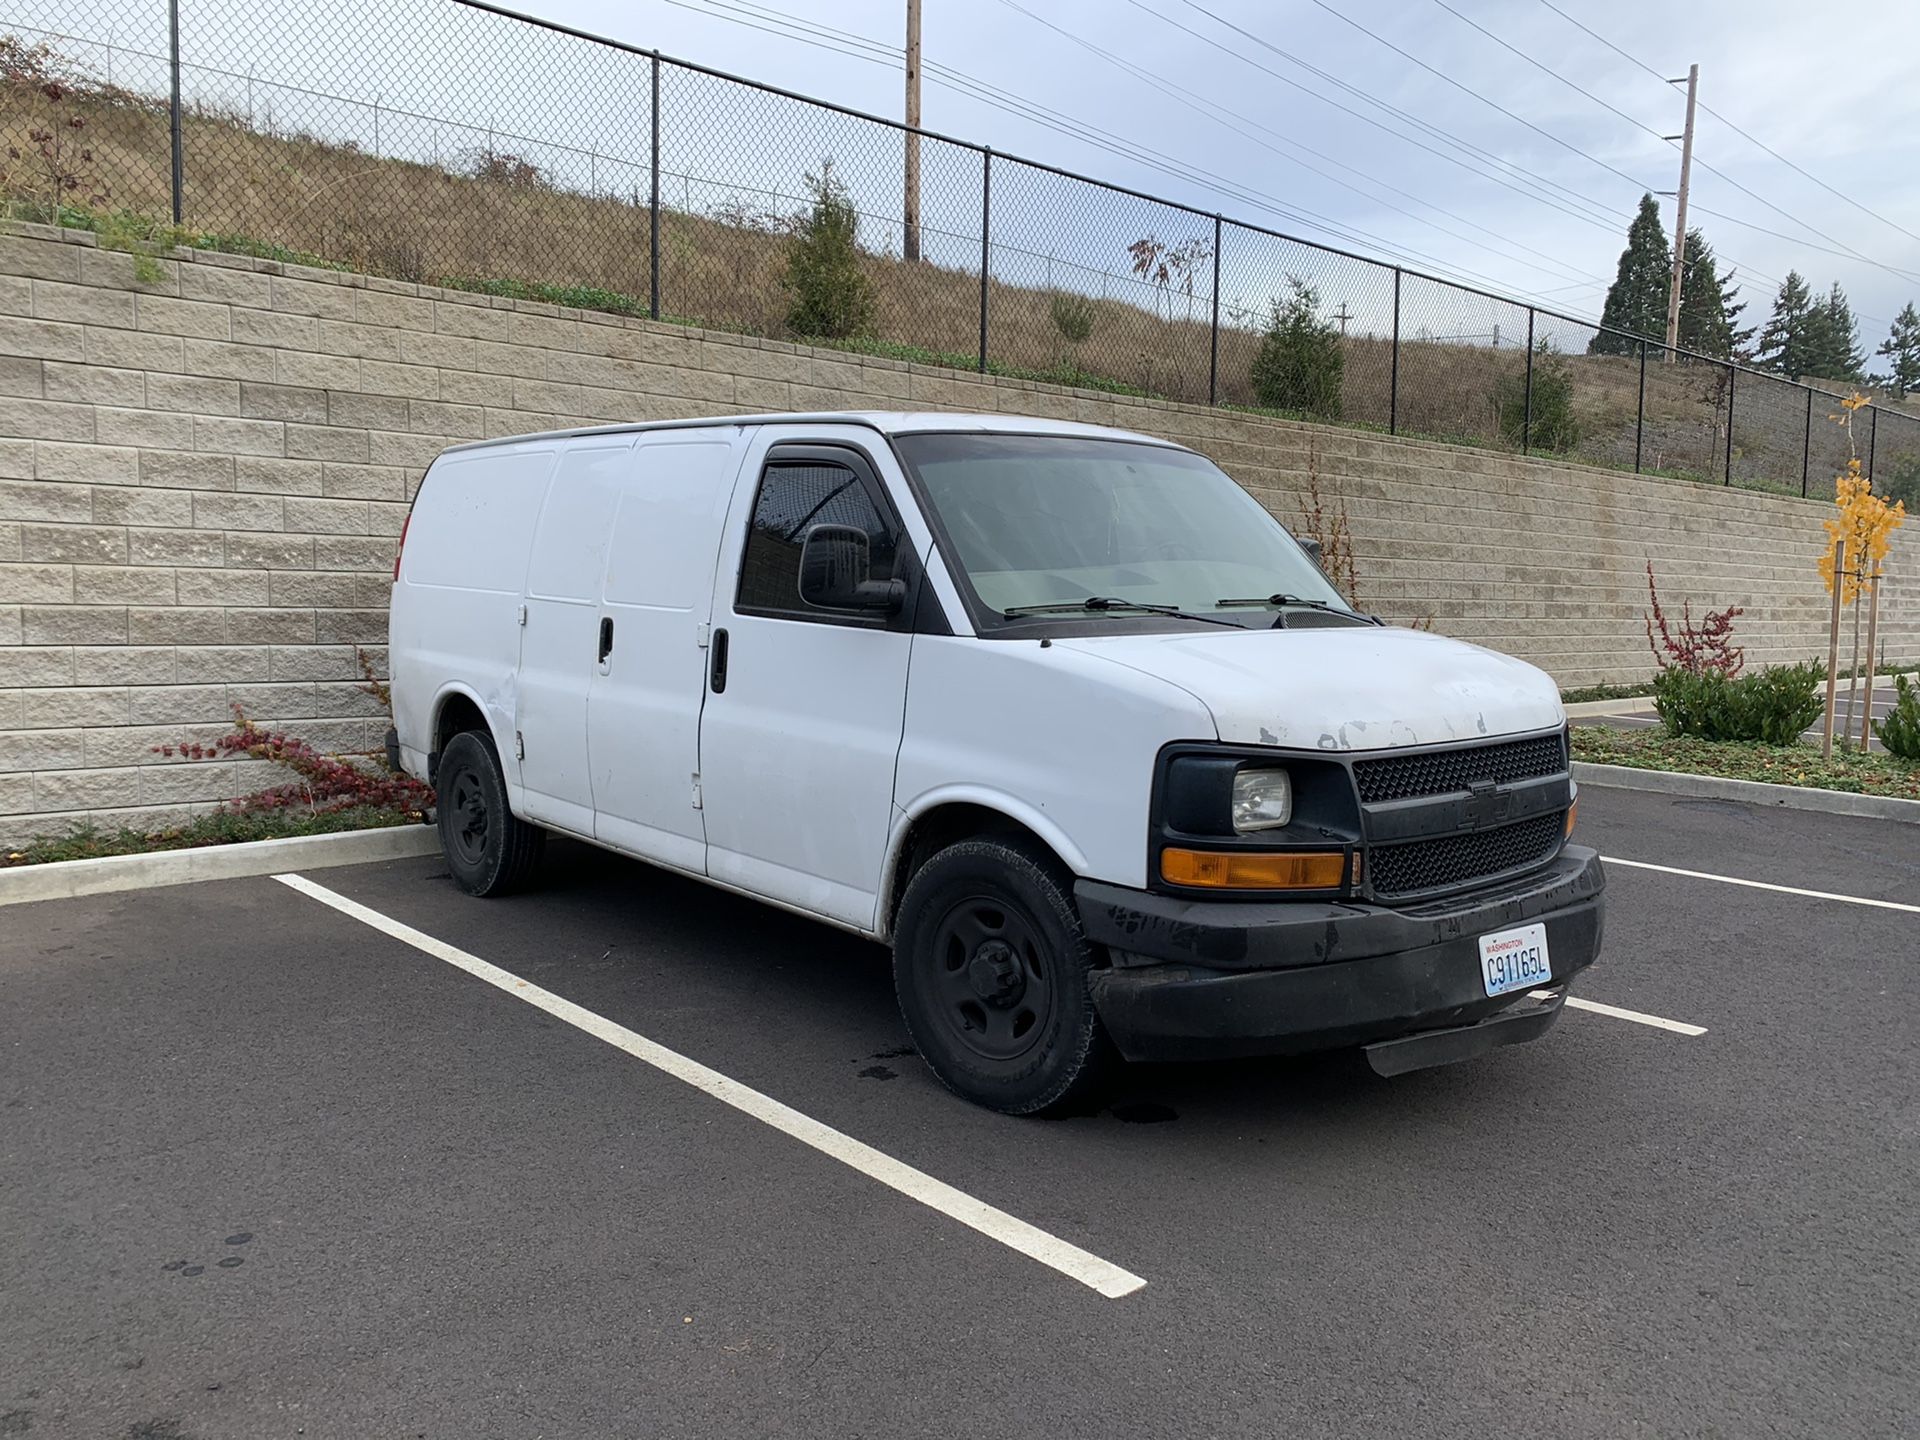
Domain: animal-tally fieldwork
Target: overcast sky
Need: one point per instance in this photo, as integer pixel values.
(1839, 102)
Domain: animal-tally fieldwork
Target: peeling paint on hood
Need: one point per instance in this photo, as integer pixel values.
(1342, 688)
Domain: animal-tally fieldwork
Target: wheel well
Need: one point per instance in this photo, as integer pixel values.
(945, 825)
(457, 713)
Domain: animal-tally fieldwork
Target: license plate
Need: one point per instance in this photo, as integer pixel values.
(1515, 959)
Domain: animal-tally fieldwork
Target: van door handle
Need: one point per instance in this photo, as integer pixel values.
(606, 637)
(717, 681)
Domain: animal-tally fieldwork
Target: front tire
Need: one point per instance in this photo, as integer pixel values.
(489, 850)
(991, 969)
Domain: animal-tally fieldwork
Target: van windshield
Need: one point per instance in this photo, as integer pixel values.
(1092, 526)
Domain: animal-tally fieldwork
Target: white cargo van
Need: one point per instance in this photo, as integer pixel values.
(1060, 712)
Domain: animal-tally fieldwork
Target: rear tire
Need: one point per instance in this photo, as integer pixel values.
(489, 850)
(991, 968)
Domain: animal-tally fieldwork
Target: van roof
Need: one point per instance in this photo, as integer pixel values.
(886, 422)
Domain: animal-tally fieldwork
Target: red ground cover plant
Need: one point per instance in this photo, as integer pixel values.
(322, 783)
(1703, 649)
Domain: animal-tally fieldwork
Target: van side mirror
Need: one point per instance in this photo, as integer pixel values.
(1312, 547)
(835, 566)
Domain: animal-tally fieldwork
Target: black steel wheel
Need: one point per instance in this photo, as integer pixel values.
(991, 968)
(993, 983)
(489, 849)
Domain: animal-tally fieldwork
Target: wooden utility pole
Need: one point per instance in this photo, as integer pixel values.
(1680, 216)
(1343, 315)
(911, 244)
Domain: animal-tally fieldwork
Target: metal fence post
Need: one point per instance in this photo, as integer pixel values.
(986, 244)
(1731, 372)
(1393, 382)
(173, 105)
(1640, 414)
(653, 202)
(1213, 346)
(1526, 416)
(1806, 446)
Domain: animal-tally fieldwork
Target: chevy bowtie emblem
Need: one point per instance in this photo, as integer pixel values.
(1486, 805)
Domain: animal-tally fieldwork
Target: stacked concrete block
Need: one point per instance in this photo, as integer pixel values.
(203, 478)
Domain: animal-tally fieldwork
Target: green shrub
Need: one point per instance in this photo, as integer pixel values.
(1300, 363)
(1774, 706)
(832, 297)
(1899, 479)
(1072, 317)
(1553, 426)
(1900, 731)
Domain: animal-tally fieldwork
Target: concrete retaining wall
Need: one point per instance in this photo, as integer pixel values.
(202, 479)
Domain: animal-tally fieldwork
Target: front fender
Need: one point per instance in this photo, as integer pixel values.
(984, 797)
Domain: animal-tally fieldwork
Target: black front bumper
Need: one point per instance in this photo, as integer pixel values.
(1194, 979)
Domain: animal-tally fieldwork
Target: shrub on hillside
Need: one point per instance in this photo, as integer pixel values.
(1774, 706)
(1072, 316)
(1900, 731)
(503, 167)
(1300, 363)
(1552, 425)
(1900, 481)
(832, 297)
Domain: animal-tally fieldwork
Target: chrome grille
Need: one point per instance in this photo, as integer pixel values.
(1442, 772)
(1449, 861)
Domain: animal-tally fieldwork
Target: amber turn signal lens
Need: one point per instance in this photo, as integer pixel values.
(1572, 810)
(1247, 870)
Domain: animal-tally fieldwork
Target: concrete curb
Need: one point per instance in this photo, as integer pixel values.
(1748, 792)
(1588, 708)
(1643, 704)
(65, 879)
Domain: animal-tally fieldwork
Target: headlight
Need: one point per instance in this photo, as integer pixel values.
(1262, 800)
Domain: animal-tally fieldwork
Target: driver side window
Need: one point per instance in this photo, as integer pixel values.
(794, 497)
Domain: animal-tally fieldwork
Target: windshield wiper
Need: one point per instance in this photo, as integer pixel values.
(1282, 601)
(1099, 603)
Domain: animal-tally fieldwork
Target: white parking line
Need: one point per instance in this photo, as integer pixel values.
(1763, 885)
(1639, 1017)
(1077, 1264)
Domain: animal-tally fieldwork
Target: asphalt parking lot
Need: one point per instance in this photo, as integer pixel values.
(269, 1170)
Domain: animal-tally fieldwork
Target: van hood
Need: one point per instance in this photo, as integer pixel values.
(1344, 688)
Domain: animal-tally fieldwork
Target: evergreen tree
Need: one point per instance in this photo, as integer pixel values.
(1637, 299)
(832, 297)
(1300, 361)
(1783, 342)
(1709, 314)
(1902, 349)
(1832, 339)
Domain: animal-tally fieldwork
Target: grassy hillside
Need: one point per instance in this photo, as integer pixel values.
(491, 220)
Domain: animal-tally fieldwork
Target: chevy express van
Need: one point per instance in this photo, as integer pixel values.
(1059, 712)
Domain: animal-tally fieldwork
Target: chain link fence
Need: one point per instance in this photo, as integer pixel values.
(453, 143)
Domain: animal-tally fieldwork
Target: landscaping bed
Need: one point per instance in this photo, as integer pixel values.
(221, 827)
(1850, 771)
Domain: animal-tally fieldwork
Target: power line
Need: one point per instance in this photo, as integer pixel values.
(1735, 266)
(1600, 214)
(1600, 206)
(1268, 45)
(1637, 183)
(1204, 106)
(876, 53)
(1468, 90)
(1055, 120)
(1744, 134)
(1844, 249)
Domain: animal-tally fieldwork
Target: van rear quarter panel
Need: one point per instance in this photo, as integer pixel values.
(1060, 740)
(456, 606)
